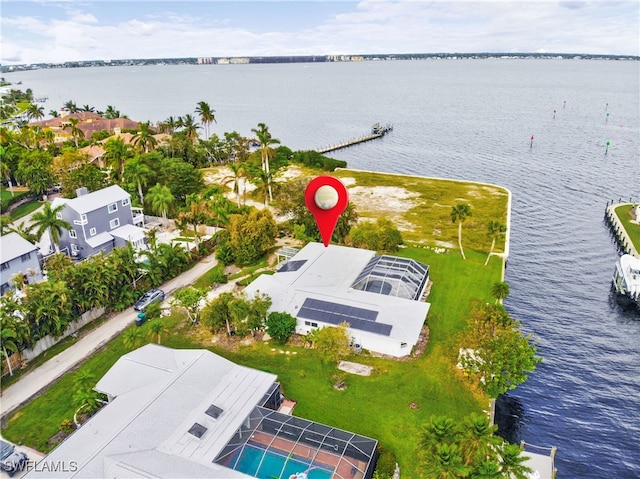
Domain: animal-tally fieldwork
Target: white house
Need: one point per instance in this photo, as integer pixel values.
(381, 297)
(193, 414)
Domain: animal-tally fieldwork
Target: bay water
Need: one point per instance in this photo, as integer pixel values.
(469, 120)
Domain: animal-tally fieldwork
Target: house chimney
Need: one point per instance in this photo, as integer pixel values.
(82, 191)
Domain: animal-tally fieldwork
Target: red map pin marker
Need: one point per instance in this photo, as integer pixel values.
(326, 197)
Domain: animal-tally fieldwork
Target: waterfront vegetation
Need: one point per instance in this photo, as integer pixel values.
(633, 229)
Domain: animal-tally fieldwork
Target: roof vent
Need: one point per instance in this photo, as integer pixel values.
(197, 430)
(214, 411)
(82, 191)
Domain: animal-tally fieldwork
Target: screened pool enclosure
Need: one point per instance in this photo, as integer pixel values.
(270, 444)
(393, 276)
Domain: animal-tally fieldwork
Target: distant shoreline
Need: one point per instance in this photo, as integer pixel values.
(243, 60)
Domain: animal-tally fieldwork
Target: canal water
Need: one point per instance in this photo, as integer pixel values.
(470, 120)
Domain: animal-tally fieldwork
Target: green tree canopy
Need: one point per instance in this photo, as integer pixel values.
(248, 236)
(280, 326)
(383, 235)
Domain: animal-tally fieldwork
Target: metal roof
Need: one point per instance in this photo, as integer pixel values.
(12, 246)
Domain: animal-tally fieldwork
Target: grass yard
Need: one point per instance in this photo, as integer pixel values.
(394, 402)
(633, 229)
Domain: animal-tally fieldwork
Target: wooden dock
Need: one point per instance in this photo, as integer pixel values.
(377, 131)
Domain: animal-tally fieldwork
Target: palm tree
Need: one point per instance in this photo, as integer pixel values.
(76, 132)
(8, 336)
(70, 106)
(439, 430)
(87, 108)
(478, 440)
(264, 137)
(136, 171)
(132, 338)
(111, 113)
(206, 115)
(5, 169)
(35, 112)
(447, 463)
(144, 139)
(495, 229)
(500, 291)
(156, 329)
(160, 199)
(54, 113)
(459, 213)
(169, 125)
(25, 230)
(48, 220)
(116, 153)
(238, 172)
(190, 127)
(513, 462)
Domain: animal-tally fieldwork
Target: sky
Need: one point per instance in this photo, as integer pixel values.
(56, 31)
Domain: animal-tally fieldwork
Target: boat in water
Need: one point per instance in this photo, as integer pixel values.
(626, 278)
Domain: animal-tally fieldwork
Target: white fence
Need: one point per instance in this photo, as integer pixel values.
(45, 343)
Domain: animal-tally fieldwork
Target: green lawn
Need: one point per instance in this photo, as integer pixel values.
(633, 229)
(375, 406)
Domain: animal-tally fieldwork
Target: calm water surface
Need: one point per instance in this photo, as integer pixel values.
(469, 120)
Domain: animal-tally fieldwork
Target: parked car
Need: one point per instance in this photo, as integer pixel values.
(155, 295)
(11, 461)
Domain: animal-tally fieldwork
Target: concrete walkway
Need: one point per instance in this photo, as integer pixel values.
(40, 378)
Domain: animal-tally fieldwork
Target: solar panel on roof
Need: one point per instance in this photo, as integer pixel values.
(336, 313)
(292, 265)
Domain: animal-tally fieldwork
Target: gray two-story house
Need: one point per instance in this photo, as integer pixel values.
(18, 256)
(100, 221)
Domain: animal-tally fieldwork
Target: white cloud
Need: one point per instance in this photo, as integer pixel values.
(162, 29)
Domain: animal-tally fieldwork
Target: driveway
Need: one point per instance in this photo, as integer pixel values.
(40, 378)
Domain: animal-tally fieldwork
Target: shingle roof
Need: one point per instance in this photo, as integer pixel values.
(13, 246)
(98, 199)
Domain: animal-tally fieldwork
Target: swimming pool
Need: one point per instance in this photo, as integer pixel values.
(275, 465)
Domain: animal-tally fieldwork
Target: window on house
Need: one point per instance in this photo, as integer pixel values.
(74, 248)
(113, 207)
(92, 231)
(72, 234)
(3, 288)
(25, 257)
(312, 324)
(83, 218)
(4, 266)
(114, 223)
(125, 202)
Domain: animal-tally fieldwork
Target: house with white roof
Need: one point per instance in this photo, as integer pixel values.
(193, 414)
(100, 221)
(380, 297)
(18, 256)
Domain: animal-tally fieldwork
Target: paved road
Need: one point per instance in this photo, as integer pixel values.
(40, 378)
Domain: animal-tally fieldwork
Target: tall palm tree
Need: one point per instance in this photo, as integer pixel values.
(190, 127)
(206, 115)
(136, 171)
(87, 108)
(500, 291)
(478, 439)
(266, 140)
(76, 132)
(144, 140)
(160, 199)
(169, 125)
(116, 153)
(5, 169)
(35, 112)
(47, 220)
(495, 229)
(238, 173)
(54, 113)
(459, 213)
